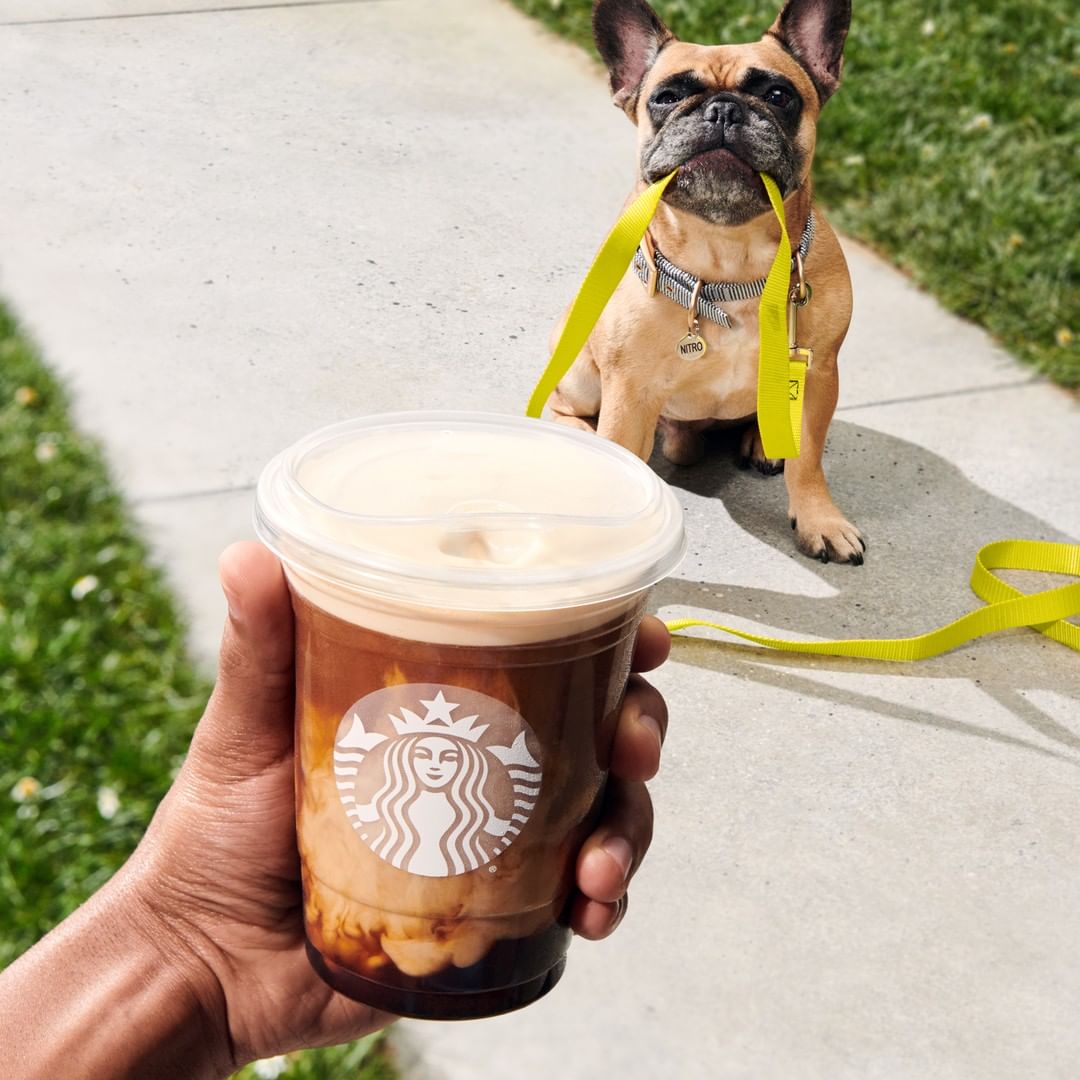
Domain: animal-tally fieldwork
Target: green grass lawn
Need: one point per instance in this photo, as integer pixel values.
(98, 698)
(952, 148)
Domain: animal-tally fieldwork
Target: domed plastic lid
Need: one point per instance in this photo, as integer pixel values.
(472, 511)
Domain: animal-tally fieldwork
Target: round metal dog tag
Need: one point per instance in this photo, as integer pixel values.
(692, 347)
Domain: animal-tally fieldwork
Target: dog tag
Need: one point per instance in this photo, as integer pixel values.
(691, 347)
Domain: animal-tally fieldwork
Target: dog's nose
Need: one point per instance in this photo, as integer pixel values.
(725, 110)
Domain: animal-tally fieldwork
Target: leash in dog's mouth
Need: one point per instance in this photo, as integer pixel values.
(782, 364)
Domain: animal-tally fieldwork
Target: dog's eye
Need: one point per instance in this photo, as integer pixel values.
(668, 96)
(778, 96)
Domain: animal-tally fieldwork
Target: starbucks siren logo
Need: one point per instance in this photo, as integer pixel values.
(434, 795)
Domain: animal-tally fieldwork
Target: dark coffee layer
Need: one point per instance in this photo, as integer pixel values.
(413, 916)
(427, 1005)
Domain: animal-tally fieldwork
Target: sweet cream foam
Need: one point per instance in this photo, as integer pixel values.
(467, 528)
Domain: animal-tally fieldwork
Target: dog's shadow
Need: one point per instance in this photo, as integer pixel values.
(925, 521)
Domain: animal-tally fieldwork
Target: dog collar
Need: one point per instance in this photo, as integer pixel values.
(664, 277)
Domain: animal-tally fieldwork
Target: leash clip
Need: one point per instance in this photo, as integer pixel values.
(801, 292)
(800, 353)
(798, 297)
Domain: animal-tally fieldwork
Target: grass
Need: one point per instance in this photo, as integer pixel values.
(98, 698)
(952, 148)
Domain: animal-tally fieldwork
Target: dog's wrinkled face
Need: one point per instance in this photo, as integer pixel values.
(725, 114)
(722, 114)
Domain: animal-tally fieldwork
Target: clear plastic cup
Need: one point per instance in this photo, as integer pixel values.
(467, 588)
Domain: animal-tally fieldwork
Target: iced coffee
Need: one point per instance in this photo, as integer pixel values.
(467, 589)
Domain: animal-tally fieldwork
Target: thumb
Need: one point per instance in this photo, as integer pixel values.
(247, 725)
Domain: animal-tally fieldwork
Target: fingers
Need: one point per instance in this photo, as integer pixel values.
(248, 722)
(643, 717)
(653, 644)
(612, 854)
(609, 859)
(643, 720)
(593, 920)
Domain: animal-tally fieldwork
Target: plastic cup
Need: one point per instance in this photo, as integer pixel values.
(467, 589)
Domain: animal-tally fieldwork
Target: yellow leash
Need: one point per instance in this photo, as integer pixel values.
(1007, 608)
(781, 382)
(600, 282)
(781, 377)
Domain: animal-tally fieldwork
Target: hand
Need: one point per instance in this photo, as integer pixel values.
(218, 872)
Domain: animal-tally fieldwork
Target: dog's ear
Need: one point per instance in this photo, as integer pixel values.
(629, 35)
(813, 31)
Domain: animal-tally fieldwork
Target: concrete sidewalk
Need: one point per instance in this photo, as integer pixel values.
(227, 227)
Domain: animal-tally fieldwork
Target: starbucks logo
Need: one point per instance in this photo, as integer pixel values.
(436, 780)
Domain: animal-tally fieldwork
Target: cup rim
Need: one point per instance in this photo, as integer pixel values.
(281, 525)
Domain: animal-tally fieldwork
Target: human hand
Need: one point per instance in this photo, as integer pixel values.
(218, 876)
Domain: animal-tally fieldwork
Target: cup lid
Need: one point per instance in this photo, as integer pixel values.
(473, 511)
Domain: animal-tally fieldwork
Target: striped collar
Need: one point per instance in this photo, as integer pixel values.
(679, 286)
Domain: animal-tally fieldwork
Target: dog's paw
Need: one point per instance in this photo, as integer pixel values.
(752, 453)
(829, 538)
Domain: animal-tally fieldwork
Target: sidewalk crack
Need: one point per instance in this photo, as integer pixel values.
(180, 496)
(225, 8)
(966, 391)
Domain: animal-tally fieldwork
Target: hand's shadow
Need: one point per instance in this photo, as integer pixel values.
(925, 521)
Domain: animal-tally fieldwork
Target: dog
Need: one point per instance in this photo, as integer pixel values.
(720, 114)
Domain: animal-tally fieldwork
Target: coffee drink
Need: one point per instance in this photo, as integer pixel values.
(467, 589)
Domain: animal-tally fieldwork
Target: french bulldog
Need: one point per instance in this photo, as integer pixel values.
(720, 114)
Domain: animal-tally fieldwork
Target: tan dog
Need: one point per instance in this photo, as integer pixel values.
(721, 114)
